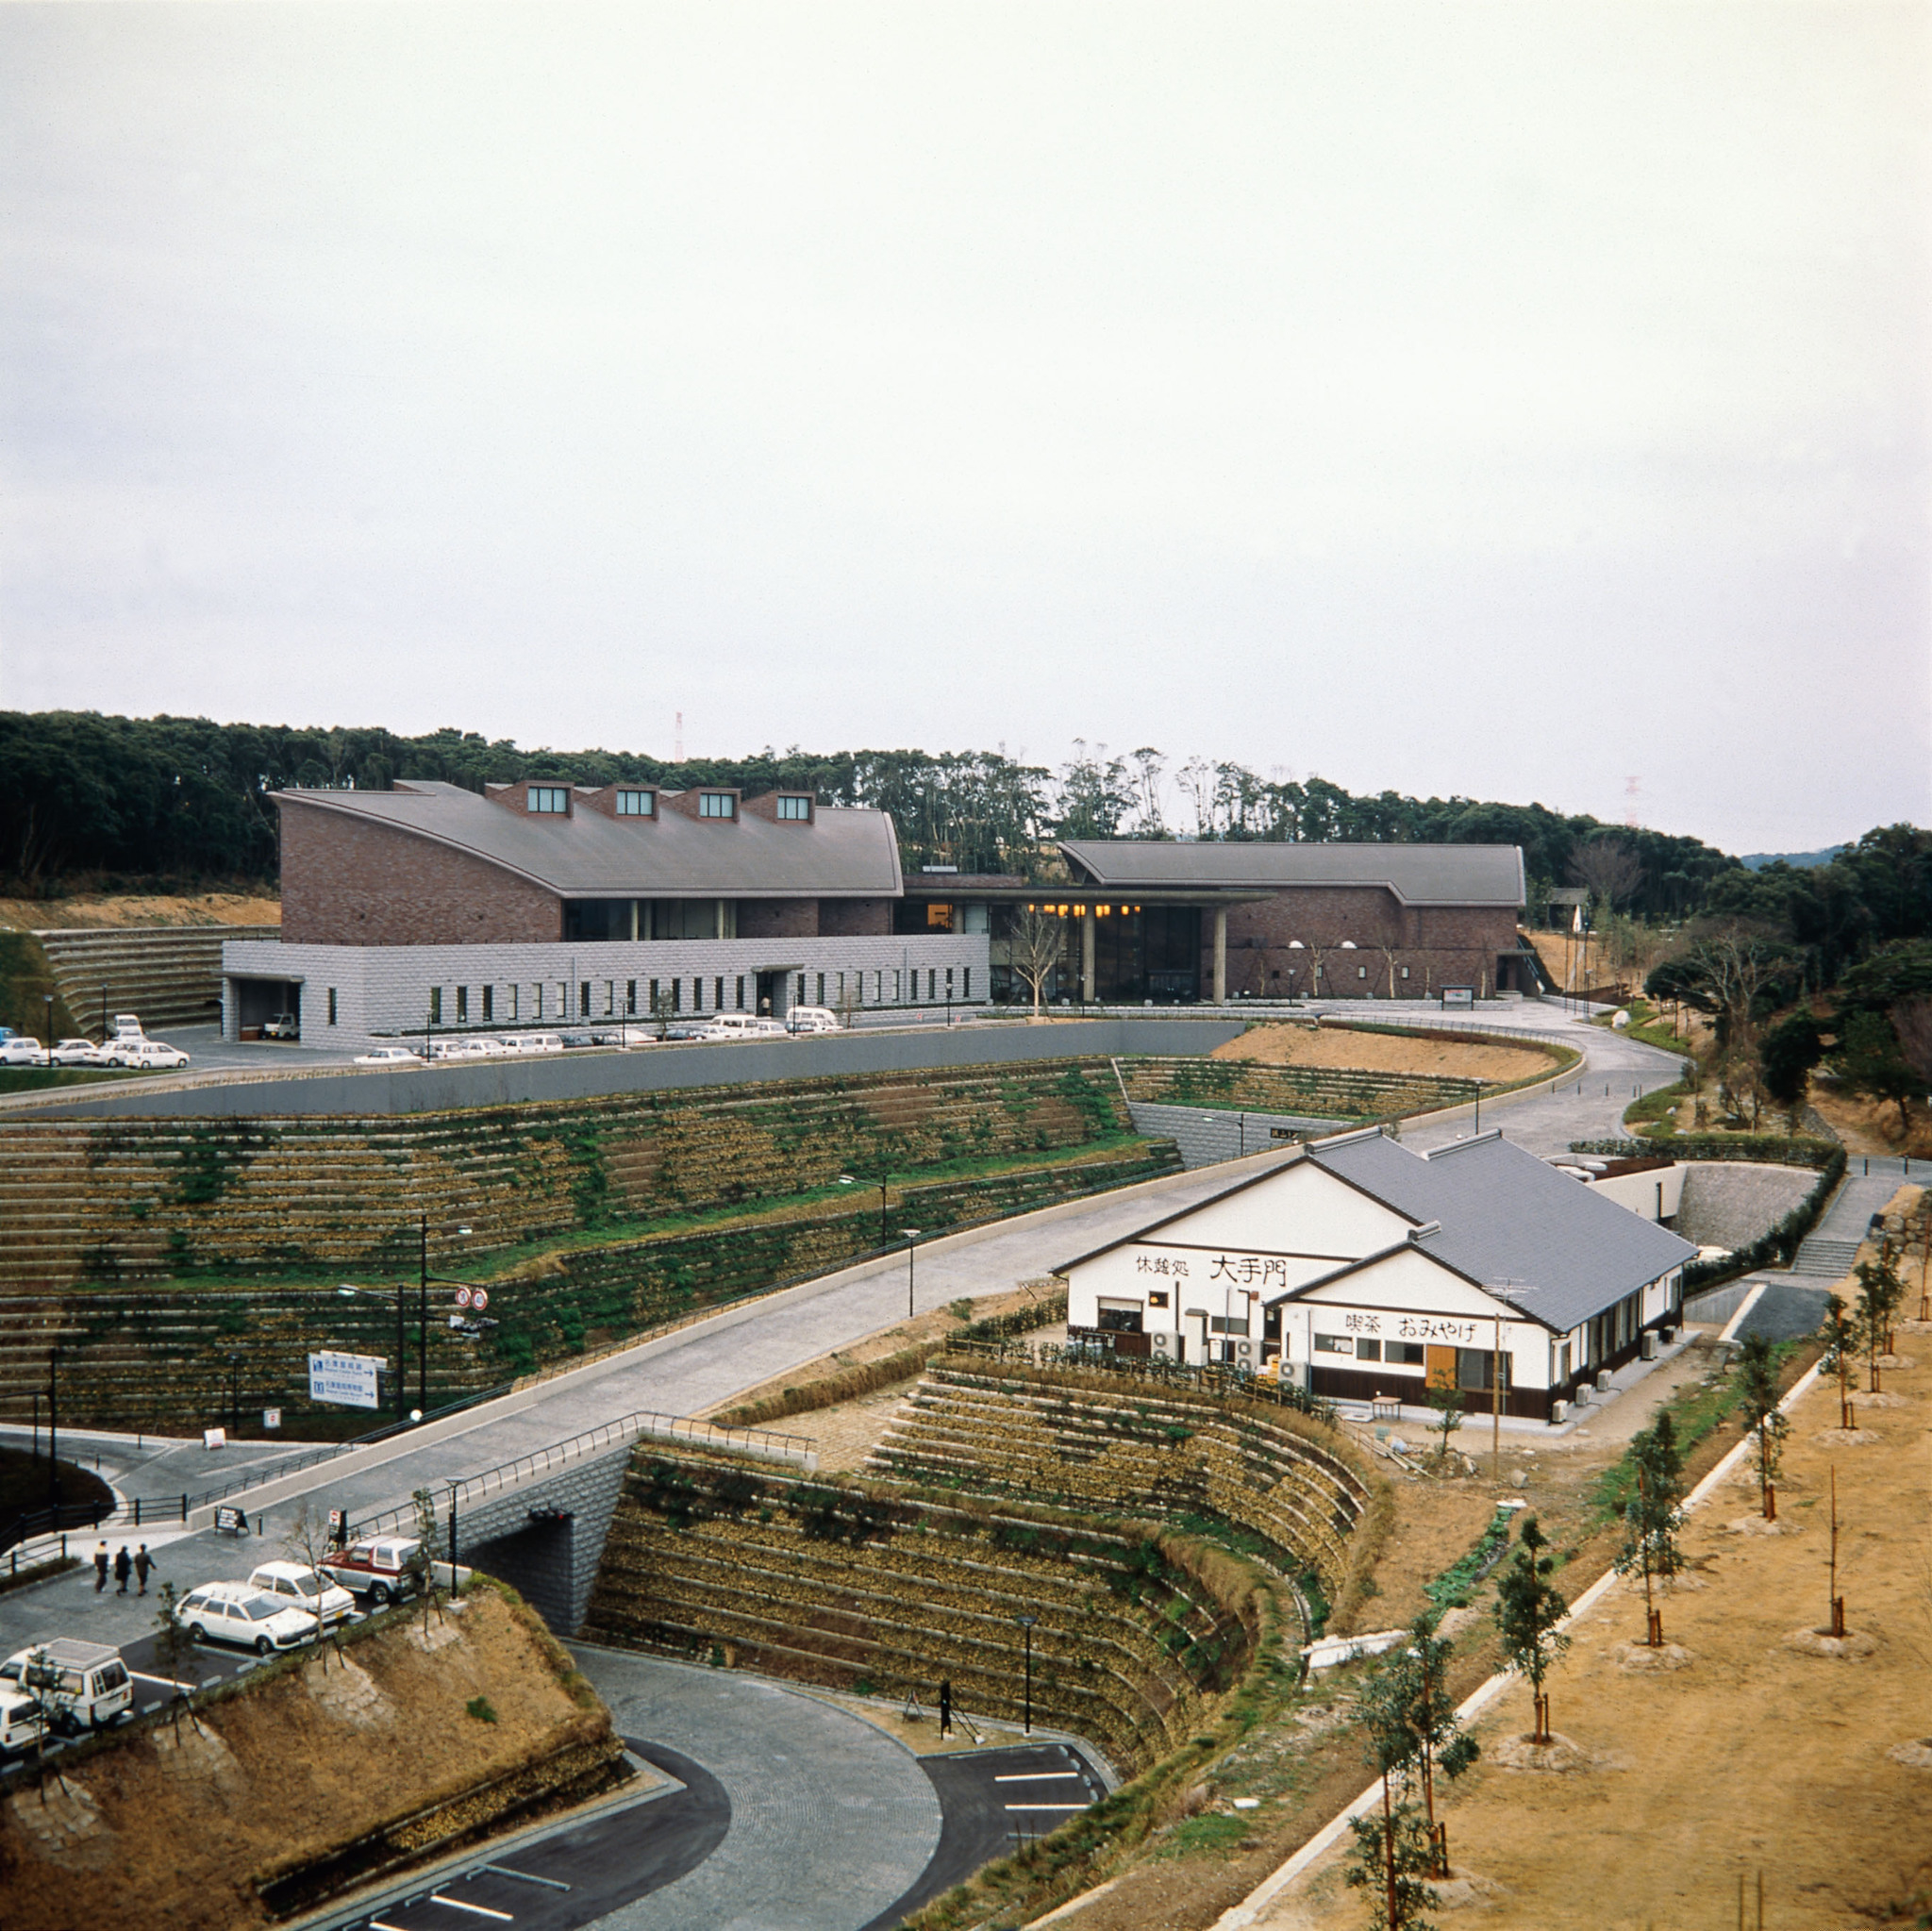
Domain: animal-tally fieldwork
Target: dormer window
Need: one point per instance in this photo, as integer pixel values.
(637, 804)
(717, 805)
(793, 807)
(550, 798)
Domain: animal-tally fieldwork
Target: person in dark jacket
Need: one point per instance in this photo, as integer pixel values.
(142, 1563)
(123, 1568)
(100, 1568)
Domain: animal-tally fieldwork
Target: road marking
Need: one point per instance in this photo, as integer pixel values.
(1046, 1806)
(456, 1904)
(376, 1924)
(166, 1682)
(1035, 1776)
(527, 1876)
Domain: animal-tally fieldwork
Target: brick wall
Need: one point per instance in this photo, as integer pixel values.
(351, 881)
(1455, 946)
(779, 918)
(855, 918)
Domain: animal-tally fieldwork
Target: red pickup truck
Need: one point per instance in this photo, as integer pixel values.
(384, 1570)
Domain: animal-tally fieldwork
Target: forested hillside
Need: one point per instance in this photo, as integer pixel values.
(186, 799)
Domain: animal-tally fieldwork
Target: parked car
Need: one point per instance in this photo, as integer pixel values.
(126, 1027)
(295, 1582)
(379, 1570)
(388, 1056)
(78, 1053)
(445, 1050)
(811, 1019)
(250, 1617)
(741, 1025)
(146, 1056)
(23, 1050)
(284, 1025)
(533, 1042)
(21, 1728)
(87, 1682)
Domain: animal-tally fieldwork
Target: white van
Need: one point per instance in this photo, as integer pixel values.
(126, 1027)
(21, 1728)
(741, 1025)
(89, 1683)
(533, 1042)
(811, 1019)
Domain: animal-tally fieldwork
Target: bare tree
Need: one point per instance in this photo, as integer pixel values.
(308, 1542)
(1609, 868)
(1196, 778)
(1034, 948)
(1148, 763)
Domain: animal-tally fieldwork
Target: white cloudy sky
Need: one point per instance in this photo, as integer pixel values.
(1503, 399)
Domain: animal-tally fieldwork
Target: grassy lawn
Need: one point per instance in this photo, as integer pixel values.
(1648, 1024)
(33, 1079)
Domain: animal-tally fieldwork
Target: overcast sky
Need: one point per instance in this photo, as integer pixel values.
(1504, 400)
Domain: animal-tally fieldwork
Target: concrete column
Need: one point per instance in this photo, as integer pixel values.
(1087, 925)
(1221, 955)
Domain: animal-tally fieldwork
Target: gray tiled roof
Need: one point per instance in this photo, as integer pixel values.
(842, 853)
(1566, 1251)
(1417, 874)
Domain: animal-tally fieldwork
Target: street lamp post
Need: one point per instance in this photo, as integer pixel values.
(234, 1395)
(885, 1236)
(1027, 1623)
(53, 1428)
(911, 1247)
(1479, 1106)
(49, 998)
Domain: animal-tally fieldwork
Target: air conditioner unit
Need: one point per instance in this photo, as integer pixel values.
(1650, 1344)
(1243, 1355)
(1559, 1413)
(1163, 1344)
(1603, 1381)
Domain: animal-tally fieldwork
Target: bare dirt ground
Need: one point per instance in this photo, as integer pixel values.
(118, 908)
(170, 1827)
(1764, 1751)
(1871, 1126)
(1339, 1047)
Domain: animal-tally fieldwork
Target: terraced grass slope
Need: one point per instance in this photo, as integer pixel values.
(867, 1588)
(160, 1354)
(142, 1199)
(1111, 1445)
(1326, 1092)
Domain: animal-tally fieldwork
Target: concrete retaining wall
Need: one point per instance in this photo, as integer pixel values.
(546, 1538)
(658, 1068)
(1731, 1202)
(1207, 1136)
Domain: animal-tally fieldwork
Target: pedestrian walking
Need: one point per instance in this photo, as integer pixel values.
(123, 1568)
(100, 1568)
(946, 1707)
(142, 1563)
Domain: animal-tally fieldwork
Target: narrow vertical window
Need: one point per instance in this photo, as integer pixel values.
(630, 996)
(489, 1004)
(435, 1005)
(331, 1006)
(821, 988)
(740, 993)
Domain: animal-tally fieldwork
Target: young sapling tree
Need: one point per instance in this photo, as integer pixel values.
(1447, 1403)
(1758, 1392)
(173, 1650)
(1880, 1291)
(1529, 1607)
(1841, 1343)
(1653, 1516)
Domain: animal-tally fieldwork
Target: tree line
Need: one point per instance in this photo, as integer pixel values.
(186, 799)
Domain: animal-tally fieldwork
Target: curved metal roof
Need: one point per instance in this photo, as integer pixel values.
(1417, 874)
(843, 851)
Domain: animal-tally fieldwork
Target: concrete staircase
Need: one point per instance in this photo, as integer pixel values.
(1826, 1256)
(169, 975)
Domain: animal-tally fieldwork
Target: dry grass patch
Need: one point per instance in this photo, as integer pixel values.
(1339, 1047)
(109, 910)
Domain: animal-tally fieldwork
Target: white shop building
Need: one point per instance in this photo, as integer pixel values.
(1369, 1270)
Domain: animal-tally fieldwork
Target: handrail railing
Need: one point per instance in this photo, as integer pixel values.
(759, 1442)
(258, 1473)
(30, 1523)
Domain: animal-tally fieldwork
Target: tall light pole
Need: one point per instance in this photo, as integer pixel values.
(235, 1396)
(53, 1428)
(1027, 1623)
(1478, 1107)
(911, 1248)
(851, 1180)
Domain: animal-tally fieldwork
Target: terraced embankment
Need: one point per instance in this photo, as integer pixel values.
(861, 1588)
(163, 1354)
(1110, 1444)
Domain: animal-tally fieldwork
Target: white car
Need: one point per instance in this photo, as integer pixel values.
(21, 1051)
(146, 1056)
(444, 1050)
(741, 1025)
(86, 1683)
(533, 1042)
(22, 1727)
(294, 1583)
(250, 1617)
(811, 1019)
(78, 1053)
(388, 1056)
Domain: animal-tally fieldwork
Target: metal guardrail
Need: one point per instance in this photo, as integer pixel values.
(759, 1442)
(34, 1522)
